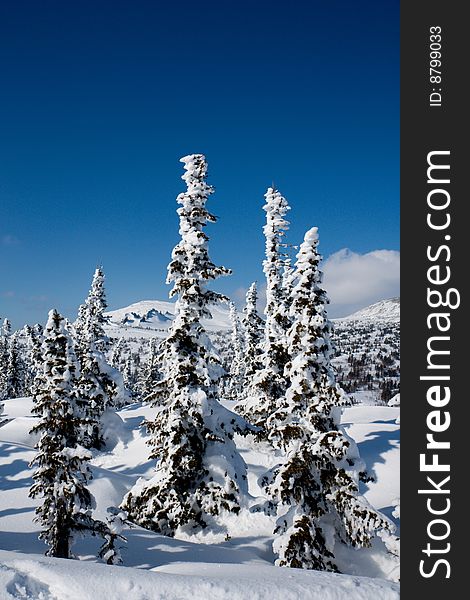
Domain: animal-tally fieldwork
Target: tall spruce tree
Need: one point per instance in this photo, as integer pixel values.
(199, 473)
(270, 383)
(62, 471)
(315, 490)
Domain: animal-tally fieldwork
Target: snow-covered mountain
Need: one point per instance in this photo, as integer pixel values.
(149, 318)
(153, 317)
(385, 310)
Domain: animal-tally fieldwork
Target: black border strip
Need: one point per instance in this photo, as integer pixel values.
(425, 128)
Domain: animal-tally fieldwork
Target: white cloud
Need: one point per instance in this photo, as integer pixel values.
(353, 280)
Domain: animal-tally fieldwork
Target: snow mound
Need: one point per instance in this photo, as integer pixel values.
(385, 310)
(42, 578)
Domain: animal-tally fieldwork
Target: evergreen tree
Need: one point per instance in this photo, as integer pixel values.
(130, 375)
(151, 374)
(101, 386)
(35, 358)
(14, 382)
(253, 326)
(32, 359)
(236, 389)
(62, 471)
(318, 481)
(118, 354)
(6, 328)
(4, 346)
(199, 472)
(270, 383)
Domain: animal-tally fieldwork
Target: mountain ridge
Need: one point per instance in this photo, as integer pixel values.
(383, 310)
(157, 315)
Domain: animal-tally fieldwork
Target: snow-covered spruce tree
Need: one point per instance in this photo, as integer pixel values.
(94, 312)
(152, 369)
(130, 375)
(118, 354)
(62, 470)
(270, 384)
(3, 366)
(32, 357)
(101, 386)
(6, 328)
(199, 473)
(235, 388)
(14, 381)
(318, 482)
(253, 328)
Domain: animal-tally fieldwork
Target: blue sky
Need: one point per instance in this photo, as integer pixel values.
(101, 99)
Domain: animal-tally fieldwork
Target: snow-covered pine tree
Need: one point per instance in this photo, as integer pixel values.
(152, 370)
(3, 366)
(235, 389)
(95, 307)
(29, 373)
(62, 471)
(35, 358)
(199, 473)
(315, 490)
(270, 383)
(253, 326)
(130, 375)
(101, 386)
(6, 328)
(118, 354)
(14, 383)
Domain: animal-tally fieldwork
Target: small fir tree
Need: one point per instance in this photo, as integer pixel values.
(236, 389)
(6, 328)
(33, 361)
(15, 371)
(118, 354)
(4, 347)
(152, 370)
(253, 328)
(101, 386)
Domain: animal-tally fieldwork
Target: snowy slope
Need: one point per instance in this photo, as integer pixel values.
(205, 566)
(385, 310)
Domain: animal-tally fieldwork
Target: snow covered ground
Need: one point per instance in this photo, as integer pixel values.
(209, 566)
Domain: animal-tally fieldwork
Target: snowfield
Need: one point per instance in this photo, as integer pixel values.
(42, 578)
(210, 565)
